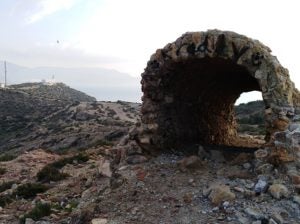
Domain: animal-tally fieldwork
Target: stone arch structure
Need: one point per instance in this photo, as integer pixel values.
(190, 87)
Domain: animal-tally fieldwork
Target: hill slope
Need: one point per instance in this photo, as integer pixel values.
(58, 117)
(106, 185)
(57, 91)
(250, 117)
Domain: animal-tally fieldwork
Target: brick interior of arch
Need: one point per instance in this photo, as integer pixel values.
(204, 93)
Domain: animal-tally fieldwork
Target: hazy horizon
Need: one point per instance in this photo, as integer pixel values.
(122, 35)
(103, 84)
(106, 89)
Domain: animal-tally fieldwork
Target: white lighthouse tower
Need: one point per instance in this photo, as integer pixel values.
(49, 82)
(52, 81)
(4, 84)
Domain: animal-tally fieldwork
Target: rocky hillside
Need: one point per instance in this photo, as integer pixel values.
(250, 113)
(250, 117)
(94, 182)
(42, 187)
(58, 118)
(57, 91)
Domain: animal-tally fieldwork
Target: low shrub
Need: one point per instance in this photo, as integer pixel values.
(80, 158)
(2, 170)
(39, 211)
(72, 205)
(6, 185)
(5, 200)
(29, 190)
(102, 142)
(7, 157)
(51, 171)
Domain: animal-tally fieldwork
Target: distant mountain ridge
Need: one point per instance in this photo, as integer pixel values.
(104, 84)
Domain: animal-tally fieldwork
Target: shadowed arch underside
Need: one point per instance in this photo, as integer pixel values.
(190, 87)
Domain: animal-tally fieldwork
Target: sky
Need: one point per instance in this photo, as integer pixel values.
(122, 35)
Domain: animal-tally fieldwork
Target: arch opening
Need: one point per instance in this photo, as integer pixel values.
(250, 116)
(248, 97)
(204, 93)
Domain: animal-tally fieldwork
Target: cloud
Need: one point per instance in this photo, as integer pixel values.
(54, 55)
(134, 29)
(48, 7)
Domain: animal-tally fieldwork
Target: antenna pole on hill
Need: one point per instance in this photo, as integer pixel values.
(5, 75)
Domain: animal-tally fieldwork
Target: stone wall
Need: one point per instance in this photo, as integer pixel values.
(190, 86)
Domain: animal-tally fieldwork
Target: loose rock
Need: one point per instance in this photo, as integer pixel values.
(277, 218)
(278, 191)
(247, 166)
(254, 213)
(296, 199)
(190, 163)
(261, 154)
(202, 153)
(104, 169)
(256, 222)
(293, 127)
(295, 179)
(221, 193)
(261, 186)
(29, 221)
(272, 221)
(99, 221)
(266, 168)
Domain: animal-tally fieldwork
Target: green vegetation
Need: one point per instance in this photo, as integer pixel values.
(69, 207)
(2, 170)
(26, 106)
(92, 166)
(25, 191)
(30, 190)
(6, 185)
(51, 171)
(103, 142)
(38, 212)
(250, 107)
(5, 200)
(79, 158)
(7, 157)
(250, 118)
